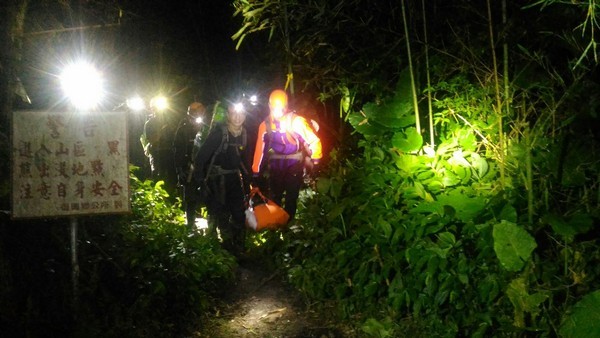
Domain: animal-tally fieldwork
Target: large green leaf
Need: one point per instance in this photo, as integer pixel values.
(408, 163)
(480, 165)
(408, 141)
(363, 125)
(450, 179)
(394, 115)
(466, 139)
(391, 114)
(466, 207)
(584, 319)
(513, 245)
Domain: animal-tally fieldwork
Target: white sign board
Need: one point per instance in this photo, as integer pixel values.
(69, 164)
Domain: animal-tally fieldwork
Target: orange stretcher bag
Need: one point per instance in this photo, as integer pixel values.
(265, 215)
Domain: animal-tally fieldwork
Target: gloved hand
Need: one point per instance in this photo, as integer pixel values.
(258, 182)
(254, 180)
(311, 166)
(311, 169)
(308, 164)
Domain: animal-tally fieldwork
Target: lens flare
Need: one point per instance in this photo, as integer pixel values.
(83, 85)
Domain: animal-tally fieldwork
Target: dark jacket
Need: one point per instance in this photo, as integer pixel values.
(222, 153)
(183, 143)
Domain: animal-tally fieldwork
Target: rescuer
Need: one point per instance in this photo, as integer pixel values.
(189, 129)
(285, 145)
(221, 166)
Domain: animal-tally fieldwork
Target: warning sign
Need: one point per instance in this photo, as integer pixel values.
(69, 164)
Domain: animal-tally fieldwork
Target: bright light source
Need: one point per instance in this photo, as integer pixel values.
(238, 107)
(136, 103)
(201, 223)
(82, 84)
(253, 100)
(198, 120)
(277, 112)
(159, 103)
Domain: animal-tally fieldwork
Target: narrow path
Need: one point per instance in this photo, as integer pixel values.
(262, 305)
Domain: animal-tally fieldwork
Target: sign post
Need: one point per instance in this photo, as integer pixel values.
(68, 165)
(74, 265)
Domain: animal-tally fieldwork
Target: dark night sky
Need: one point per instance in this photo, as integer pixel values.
(182, 49)
(197, 43)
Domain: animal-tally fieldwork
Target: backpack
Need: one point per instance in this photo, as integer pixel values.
(223, 147)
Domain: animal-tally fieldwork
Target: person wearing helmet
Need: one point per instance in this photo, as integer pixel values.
(220, 168)
(156, 141)
(190, 128)
(285, 144)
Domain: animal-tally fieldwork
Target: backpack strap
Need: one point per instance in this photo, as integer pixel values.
(223, 147)
(224, 140)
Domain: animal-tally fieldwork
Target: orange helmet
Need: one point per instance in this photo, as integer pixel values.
(278, 99)
(196, 109)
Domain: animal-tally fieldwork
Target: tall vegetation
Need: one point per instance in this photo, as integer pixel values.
(492, 231)
(145, 275)
(141, 274)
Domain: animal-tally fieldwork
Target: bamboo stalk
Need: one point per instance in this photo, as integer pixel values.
(431, 131)
(412, 75)
(288, 53)
(529, 176)
(507, 97)
(498, 98)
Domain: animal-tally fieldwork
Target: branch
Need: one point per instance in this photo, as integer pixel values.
(71, 29)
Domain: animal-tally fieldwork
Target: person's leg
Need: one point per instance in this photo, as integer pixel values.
(277, 185)
(236, 207)
(292, 185)
(220, 216)
(191, 200)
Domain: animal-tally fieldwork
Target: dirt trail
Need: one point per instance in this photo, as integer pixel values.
(262, 305)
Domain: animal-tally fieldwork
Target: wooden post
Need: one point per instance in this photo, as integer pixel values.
(74, 266)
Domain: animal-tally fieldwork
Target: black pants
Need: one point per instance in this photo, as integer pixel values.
(226, 207)
(285, 181)
(191, 202)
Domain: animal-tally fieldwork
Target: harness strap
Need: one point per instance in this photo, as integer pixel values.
(217, 171)
(213, 170)
(295, 156)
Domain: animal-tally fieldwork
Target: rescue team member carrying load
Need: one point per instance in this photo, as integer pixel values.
(284, 141)
(219, 169)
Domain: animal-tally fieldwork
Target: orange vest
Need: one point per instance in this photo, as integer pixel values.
(285, 137)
